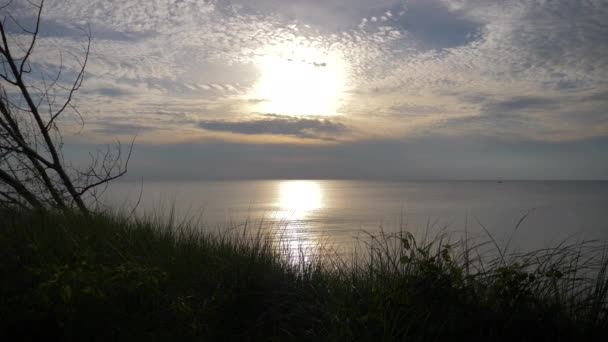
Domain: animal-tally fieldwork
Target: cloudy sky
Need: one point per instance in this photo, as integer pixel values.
(382, 89)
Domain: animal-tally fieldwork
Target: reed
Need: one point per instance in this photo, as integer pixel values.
(114, 277)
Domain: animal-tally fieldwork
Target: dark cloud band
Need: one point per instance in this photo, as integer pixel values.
(279, 125)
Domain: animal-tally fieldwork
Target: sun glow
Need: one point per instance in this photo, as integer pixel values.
(300, 81)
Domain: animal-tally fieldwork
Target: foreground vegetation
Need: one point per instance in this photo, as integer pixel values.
(104, 277)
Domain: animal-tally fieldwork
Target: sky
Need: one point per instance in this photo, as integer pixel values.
(365, 89)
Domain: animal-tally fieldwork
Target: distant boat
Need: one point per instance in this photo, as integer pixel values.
(499, 181)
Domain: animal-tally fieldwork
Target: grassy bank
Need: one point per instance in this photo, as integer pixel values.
(107, 278)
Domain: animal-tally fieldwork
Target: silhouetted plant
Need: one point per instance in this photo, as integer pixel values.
(33, 171)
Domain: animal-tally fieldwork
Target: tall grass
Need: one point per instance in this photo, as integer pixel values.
(111, 277)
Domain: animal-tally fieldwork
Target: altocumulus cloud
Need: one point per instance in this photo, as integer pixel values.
(507, 71)
(314, 128)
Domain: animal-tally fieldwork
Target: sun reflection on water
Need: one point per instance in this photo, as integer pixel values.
(299, 198)
(298, 201)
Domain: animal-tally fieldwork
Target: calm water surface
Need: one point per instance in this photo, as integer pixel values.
(334, 212)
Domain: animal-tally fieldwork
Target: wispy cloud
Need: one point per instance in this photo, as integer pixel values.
(312, 128)
(118, 129)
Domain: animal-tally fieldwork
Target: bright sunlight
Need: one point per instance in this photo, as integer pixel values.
(298, 198)
(299, 80)
(297, 201)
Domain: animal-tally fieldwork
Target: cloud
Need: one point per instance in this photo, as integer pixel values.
(521, 103)
(434, 26)
(109, 92)
(415, 68)
(255, 101)
(427, 158)
(314, 128)
(446, 88)
(568, 117)
(114, 129)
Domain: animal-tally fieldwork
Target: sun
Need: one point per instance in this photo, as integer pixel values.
(299, 80)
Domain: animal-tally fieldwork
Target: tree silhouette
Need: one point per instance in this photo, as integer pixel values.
(33, 171)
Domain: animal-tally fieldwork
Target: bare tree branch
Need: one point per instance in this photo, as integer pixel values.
(34, 36)
(33, 171)
(77, 83)
(20, 189)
